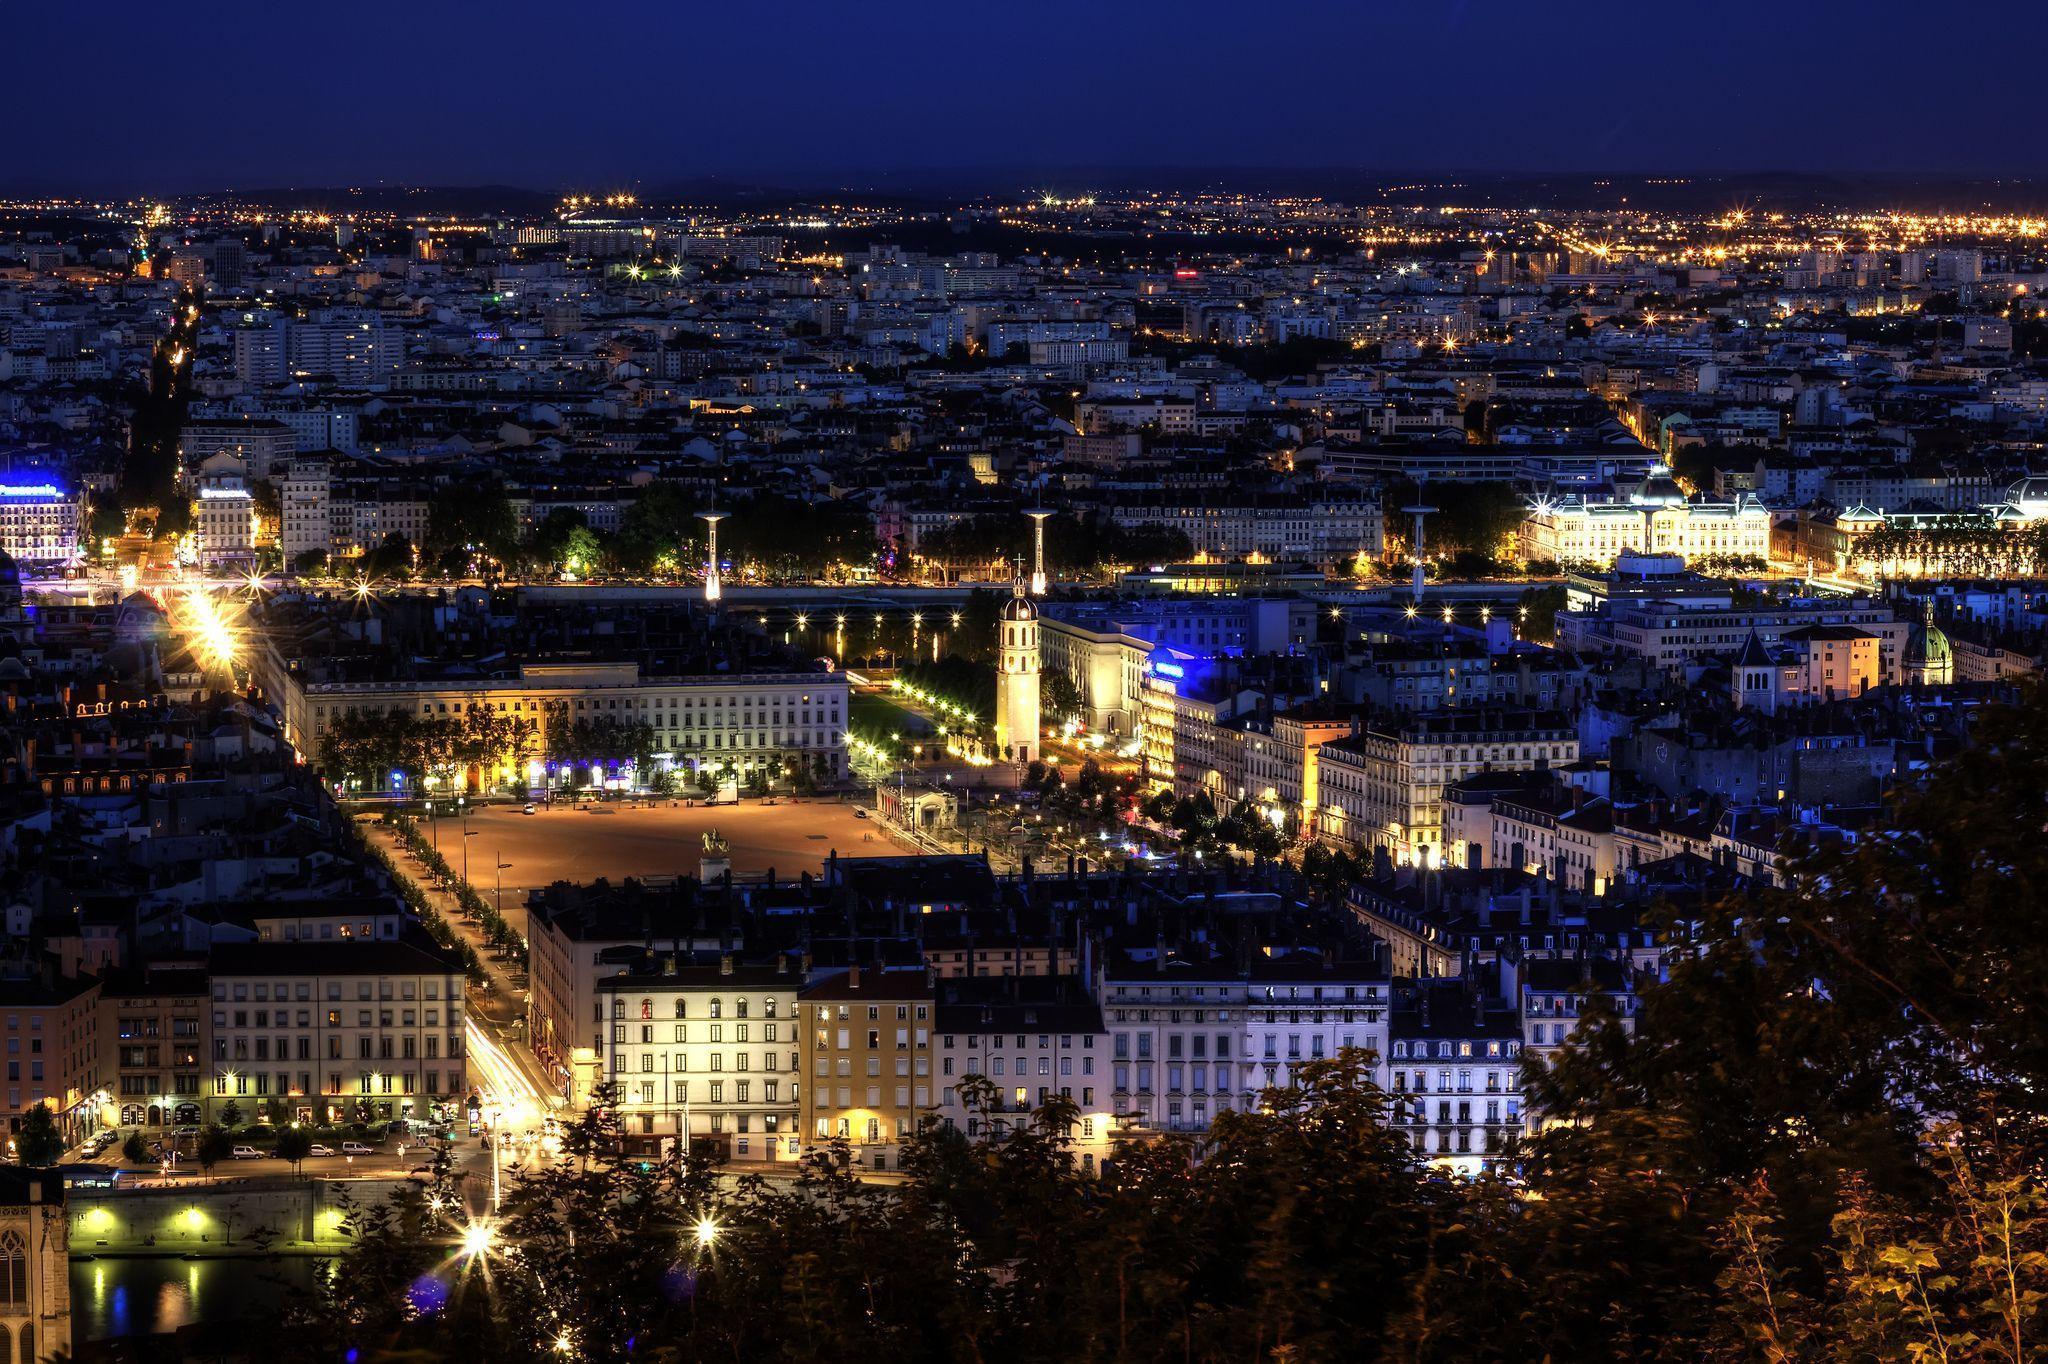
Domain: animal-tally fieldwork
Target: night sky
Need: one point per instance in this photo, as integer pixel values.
(553, 94)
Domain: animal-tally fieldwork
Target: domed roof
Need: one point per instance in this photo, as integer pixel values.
(1019, 608)
(1927, 647)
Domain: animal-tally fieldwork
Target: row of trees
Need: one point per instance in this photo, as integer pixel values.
(1087, 542)
(365, 745)
(498, 931)
(1961, 550)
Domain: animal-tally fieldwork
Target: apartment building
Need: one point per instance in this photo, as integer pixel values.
(1455, 1074)
(707, 1048)
(226, 507)
(51, 1025)
(1672, 635)
(154, 1025)
(1030, 1039)
(313, 1031)
(1384, 787)
(40, 522)
(868, 1035)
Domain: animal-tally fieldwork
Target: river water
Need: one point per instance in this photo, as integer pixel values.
(114, 1296)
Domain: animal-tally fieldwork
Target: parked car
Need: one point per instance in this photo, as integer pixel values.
(529, 808)
(356, 1148)
(247, 1153)
(316, 1149)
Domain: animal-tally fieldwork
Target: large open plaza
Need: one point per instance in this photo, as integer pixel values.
(581, 842)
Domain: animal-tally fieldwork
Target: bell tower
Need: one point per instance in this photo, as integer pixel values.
(1017, 727)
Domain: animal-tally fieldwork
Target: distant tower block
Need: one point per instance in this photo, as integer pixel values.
(1017, 661)
(1418, 511)
(1038, 551)
(712, 590)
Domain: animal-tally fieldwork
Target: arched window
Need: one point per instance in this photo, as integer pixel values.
(682, 1008)
(718, 1008)
(740, 1007)
(768, 1007)
(647, 1008)
(6, 1344)
(13, 1268)
(28, 1342)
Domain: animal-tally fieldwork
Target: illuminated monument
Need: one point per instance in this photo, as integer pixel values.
(1017, 674)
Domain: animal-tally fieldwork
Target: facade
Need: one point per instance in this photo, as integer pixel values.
(708, 1049)
(35, 1267)
(40, 523)
(1456, 1075)
(51, 1026)
(263, 444)
(1177, 1044)
(1384, 787)
(736, 722)
(311, 1031)
(1030, 1040)
(226, 518)
(1577, 530)
(868, 1041)
(154, 1025)
(1673, 636)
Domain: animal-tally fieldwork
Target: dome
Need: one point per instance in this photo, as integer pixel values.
(1019, 609)
(1928, 650)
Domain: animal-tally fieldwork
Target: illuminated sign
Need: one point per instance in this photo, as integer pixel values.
(30, 490)
(1169, 670)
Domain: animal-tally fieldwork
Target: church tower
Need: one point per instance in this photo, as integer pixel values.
(1017, 675)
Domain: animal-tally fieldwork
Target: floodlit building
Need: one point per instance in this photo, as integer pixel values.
(40, 522)
(311, 1031)
(710, 1048)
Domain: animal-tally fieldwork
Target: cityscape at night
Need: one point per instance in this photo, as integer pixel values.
(993, 687)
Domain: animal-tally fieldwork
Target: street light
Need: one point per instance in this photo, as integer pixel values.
(479, 1239)
(706, 1232)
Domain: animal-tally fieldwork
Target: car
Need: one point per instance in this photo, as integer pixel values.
(529, 808)
(860, 814)
(316, 1149)
(356, 1148)
(246, 1153)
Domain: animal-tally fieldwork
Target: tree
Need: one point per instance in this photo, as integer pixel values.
(135, 1150)
(294, 1143)
(1062, 699)
(39, 1142)
(391, 558)
(231, 1114)
(214, 1147)
(310, 563)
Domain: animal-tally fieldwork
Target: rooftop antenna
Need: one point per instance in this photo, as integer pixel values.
(1038, 550)
(712, 590)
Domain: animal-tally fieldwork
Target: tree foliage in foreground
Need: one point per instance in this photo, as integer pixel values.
(1820, 1140)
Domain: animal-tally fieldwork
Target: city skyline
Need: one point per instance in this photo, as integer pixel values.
(650, 95)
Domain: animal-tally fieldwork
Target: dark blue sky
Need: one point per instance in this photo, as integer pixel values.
(552, 93)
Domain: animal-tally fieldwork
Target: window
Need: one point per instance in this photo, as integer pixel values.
(13, 1268)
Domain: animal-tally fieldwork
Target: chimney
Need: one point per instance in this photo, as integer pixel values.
(853, 976)
(725, 963)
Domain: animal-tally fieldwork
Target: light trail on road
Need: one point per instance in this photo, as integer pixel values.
(502, 1085)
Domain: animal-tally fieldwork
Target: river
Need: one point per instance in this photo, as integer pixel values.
(114, 1296)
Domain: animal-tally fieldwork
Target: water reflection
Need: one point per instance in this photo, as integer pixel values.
(112, 1296)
